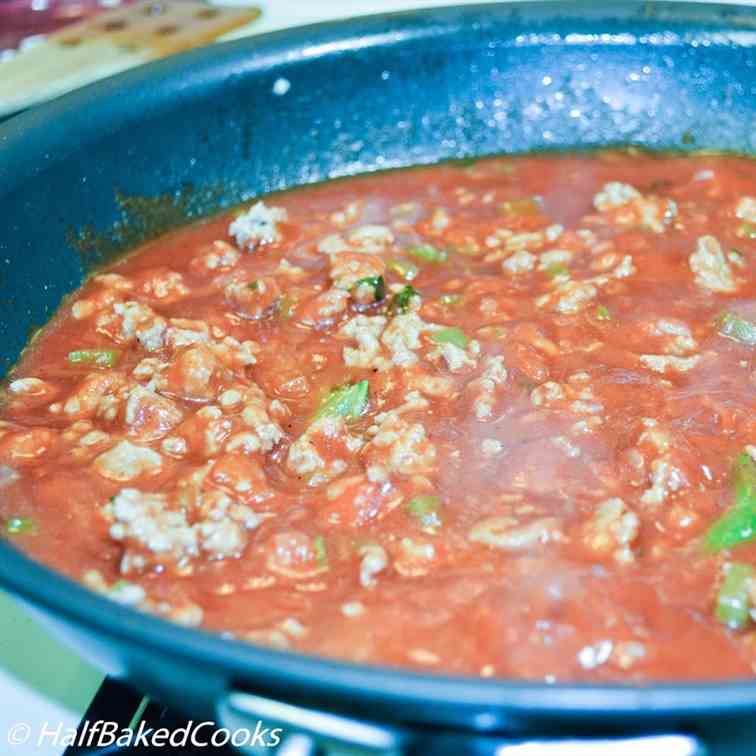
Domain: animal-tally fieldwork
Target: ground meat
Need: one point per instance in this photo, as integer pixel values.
(474, 418)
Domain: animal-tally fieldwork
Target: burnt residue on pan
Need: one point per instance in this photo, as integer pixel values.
(140, 219)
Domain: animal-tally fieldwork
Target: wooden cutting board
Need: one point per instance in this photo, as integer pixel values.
(110, 42)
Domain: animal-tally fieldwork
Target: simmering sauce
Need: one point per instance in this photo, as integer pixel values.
(496, 419)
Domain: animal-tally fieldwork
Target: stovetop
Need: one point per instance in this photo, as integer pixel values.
(126, 710)
(123, 708)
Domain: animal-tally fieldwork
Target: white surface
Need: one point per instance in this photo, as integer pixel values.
(279, 15)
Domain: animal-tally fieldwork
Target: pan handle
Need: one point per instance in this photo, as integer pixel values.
(310, 732)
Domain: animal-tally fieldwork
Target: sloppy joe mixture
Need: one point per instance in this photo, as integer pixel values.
(495, 419)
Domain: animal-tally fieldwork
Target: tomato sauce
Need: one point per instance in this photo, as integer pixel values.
(490, 419)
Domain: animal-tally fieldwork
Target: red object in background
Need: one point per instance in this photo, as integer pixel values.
(20, 19)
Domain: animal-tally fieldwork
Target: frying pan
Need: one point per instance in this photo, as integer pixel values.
(102, 168)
